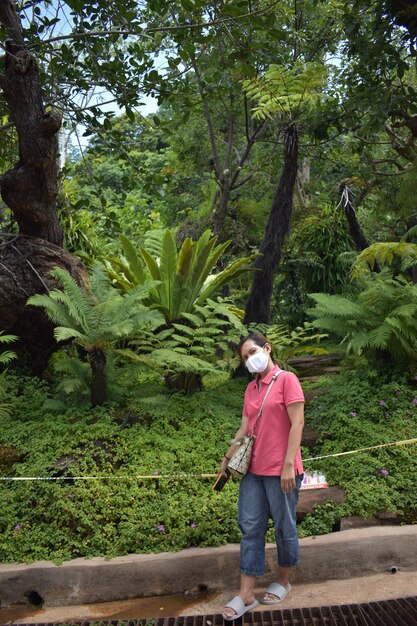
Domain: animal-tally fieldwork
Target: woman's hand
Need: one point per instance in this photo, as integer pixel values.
(287, 478)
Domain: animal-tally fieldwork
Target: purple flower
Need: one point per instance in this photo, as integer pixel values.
(414, 400)
(18, 526)
(384, 472)
(193, 525)
(161, 528)
(353, 414)
(381, 403)
(398, 392)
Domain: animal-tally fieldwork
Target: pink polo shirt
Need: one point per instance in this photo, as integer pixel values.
(273, 430)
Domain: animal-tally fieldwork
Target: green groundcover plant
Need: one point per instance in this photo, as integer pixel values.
(361, 409)
(161, 434)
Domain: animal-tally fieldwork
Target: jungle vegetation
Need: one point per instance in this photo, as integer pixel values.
(270, 185)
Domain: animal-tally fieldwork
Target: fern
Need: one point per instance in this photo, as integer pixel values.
(153, 241)
(381, 318)
(5, 358)
(384, 254)
(287, 343)
(286, 91)
(98, 318)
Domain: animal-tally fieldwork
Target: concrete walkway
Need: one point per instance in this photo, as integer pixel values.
(346, 567)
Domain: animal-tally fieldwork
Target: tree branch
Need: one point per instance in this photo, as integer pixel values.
(161, 29)
(404, 171)
(392, 161)
(226, 162)
(247, 150)
(210, 125)
(11, 22)
(242, 182)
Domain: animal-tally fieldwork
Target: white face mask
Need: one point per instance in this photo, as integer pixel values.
(258, 362)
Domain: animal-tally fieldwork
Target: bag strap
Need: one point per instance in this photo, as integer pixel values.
(273, 379)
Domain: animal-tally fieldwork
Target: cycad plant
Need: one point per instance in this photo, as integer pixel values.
(380, 320)
(95, 320)
(196, 327)
(185, 351)
(184, 278)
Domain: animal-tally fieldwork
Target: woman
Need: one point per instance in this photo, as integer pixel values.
(270, 488)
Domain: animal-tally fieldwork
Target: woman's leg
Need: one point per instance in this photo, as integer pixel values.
(253, 522)
(253, 515)
(283, 508)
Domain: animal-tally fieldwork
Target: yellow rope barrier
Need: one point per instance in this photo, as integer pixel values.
(404, 442)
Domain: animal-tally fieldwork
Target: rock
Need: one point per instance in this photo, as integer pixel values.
(309, 498)
(381, 518)
(315, 364)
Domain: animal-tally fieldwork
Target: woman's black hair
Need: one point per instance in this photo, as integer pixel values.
(257, 338)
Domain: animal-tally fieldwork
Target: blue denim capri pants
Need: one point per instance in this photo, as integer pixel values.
(260, 497)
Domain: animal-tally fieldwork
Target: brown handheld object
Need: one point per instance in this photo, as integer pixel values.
(222, 480)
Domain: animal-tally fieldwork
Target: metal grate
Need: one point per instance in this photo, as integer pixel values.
(402, 612)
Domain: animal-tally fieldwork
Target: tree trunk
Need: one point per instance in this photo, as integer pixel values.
(355, 229)
(277, 228)
(221, 209)
(30, 188)
(30, 191)
(97, 360)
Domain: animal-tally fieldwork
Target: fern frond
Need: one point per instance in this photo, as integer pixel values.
(55, 311)
(192, 317)
(384, 253)
(7, 338)
(6, 357)
(101, 284)
(286, 91)
(187, 330)
(154, 241)
(186, 364)
(73, 297)
(62, 333)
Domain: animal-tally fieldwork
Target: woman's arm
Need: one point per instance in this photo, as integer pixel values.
(296, 415)
(243, 430)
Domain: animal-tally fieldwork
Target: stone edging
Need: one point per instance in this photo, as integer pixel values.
(346, 554)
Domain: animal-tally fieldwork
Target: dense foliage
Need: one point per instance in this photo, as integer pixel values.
(161, 435)
(286, 128)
